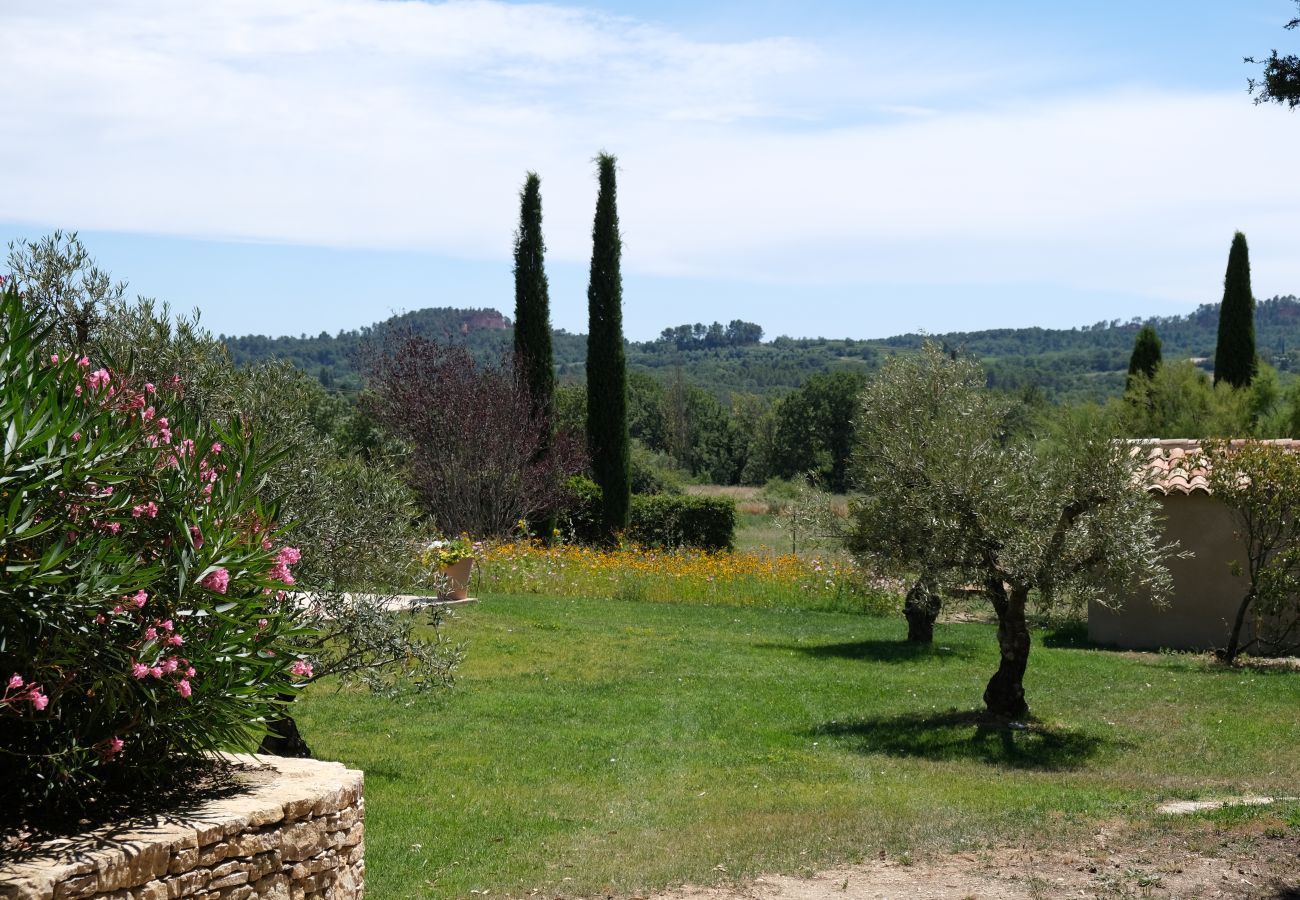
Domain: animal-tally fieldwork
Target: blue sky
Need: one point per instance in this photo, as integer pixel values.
(841, 169)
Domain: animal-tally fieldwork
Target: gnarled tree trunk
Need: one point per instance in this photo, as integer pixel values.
(282, 737)
(921, 608)
(1005, 694)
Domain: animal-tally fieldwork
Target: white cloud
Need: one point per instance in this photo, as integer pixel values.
(408, 124)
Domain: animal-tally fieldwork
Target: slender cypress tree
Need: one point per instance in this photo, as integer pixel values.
(532, 301)
(607, 437)
(1146, 356)
(1234, 355)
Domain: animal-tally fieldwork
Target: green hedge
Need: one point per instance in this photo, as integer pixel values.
(667, 520)
(655, 520)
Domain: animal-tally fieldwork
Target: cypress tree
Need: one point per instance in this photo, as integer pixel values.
(533, 355)
(607, 436)
(1234, 355)
(1146, 356)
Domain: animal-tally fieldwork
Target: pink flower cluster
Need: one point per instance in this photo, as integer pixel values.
(169, 665)
(110, 747)
(19, 691)
(301, 668)
(216, 581)
(288, 556)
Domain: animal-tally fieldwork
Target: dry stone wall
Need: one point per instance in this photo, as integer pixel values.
(295, 833)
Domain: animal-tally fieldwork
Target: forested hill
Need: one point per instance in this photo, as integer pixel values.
(1076, 363)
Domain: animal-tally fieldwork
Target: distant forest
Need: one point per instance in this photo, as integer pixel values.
(1063, 365)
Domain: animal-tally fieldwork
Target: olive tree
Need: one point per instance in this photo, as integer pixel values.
(1260, 482)
(948, 491)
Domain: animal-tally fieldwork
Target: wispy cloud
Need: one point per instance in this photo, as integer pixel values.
(410, 124)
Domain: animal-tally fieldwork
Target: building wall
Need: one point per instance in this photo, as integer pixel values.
(1206, 594)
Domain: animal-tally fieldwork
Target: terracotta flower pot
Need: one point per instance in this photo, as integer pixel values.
(457, 575)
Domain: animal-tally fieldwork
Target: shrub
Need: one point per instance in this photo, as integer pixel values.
(142, 606)
(579, 517)
(475, 439)
(354, 517)
(666, 520)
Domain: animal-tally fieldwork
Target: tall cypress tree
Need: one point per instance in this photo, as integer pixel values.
(1234, 356)
(1146, 356)
(607, 437)
(532, 301)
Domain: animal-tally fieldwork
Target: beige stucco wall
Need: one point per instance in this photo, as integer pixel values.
(1206, 593)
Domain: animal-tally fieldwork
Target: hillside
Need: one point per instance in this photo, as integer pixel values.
(1076, 363)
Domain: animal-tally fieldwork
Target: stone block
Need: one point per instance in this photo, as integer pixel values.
(301, 840)
(77, 887)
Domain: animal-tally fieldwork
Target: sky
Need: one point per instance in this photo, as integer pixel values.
(854, 169)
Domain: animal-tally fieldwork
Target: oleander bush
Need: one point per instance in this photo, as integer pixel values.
(143, 613)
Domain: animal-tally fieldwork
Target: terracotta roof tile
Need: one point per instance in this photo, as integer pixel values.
(1178, 465)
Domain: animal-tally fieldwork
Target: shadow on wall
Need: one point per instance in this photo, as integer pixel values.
(968, 735)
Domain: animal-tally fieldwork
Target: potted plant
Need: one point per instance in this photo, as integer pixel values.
(453, 559)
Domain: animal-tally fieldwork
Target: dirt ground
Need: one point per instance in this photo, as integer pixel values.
(1242, 866)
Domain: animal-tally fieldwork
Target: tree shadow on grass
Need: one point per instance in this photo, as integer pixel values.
(878, 651)
(971, 735)
(1069, 636)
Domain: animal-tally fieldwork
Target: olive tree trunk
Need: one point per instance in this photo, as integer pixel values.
(921, 608)
(282, 737)
(1005, 694)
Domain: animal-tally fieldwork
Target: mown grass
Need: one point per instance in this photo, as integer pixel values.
(600, 745)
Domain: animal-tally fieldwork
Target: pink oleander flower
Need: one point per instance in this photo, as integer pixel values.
(196, 536)
(118, 610)
(156, 672)
(186, 447)
(100, 619)
(54, 359)
(140, 599)
(290, 555)
(167, 625)
(216, 581)
(216, 447)
(98, 379)
(84, 362)
(175, 640)
(76, 435)
(139, 670)
(149, 509)
(170, 664)
(183, 688)
(17, 680)
(261, 626)
(301, 667)
(39, 700)
(148, 414)
(151, 633)
(149, 388)
(190, 673)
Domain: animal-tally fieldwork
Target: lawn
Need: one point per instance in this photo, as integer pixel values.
(599, 745)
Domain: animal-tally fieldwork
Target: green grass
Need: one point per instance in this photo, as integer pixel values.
(596, 745)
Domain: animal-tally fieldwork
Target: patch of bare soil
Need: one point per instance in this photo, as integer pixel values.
(1258, 867)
